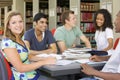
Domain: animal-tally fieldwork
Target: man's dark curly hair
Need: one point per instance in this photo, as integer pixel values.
(107, 17)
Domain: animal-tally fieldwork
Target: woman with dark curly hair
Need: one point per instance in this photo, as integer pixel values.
(104, 30)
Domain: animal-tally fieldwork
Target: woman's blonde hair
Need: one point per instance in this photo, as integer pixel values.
(7, 31)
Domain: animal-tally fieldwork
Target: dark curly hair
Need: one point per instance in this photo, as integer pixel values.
(108, 20)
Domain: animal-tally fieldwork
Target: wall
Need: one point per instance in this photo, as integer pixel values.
(52, 14)
(18, 5)
(75, 6)
(116, 8)
(35, 7)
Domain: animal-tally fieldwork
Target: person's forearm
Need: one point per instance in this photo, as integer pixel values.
(105, 58)
(107, 75)
(88, 44)
(33, 58)
(110, 44)
(86, 41)
(108, 47)
(29, 67)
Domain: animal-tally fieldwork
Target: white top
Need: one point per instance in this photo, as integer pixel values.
(101, 38)
(113, 64)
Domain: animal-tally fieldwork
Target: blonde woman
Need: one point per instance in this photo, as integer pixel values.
(16, 52)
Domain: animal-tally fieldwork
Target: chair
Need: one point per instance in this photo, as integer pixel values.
(116, 43)
(5, 70)
(53, 31)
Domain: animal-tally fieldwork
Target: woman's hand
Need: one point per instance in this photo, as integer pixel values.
(34, 58)
(50, 60)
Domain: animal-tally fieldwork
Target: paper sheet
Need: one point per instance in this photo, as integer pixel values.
(58, 57)
(64, 62)
(79, 49)
(89, 62)
(83, 60)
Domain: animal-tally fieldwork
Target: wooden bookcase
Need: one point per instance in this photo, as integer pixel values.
(29, 15)
(87, 11)
(62, 5)
(43, 8)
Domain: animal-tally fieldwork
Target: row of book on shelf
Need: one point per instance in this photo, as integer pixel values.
(87, 27)
(30, 12)
(91, 37)
(61, 9)
(89, 6)
(87, 16)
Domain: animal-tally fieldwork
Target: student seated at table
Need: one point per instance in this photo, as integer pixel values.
(111, 70)
(39, 39)
(67, 34)
(104, 33)
(104, 30)
(16, 52)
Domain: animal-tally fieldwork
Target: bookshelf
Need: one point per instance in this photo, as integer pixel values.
(3, 12)
(1, 20)
(9, 8)
(2, 16)
(29, 15)
(87, 11)
(62, 5)
(42, 7)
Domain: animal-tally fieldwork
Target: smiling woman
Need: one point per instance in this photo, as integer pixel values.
(16, 52)
(14, 25)
(104, 30)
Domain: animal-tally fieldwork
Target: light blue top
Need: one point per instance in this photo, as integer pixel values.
(68, 36)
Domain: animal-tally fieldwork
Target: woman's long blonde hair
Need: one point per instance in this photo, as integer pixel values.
(7, 31)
